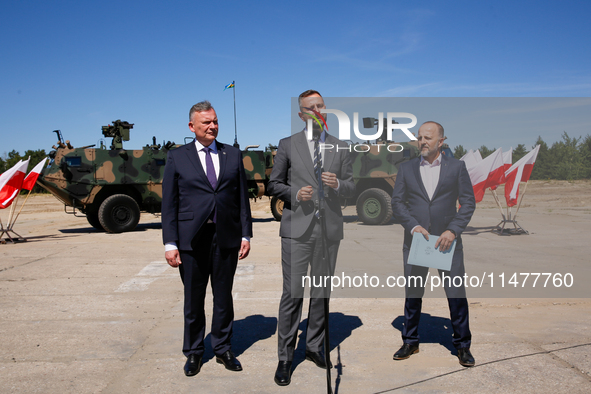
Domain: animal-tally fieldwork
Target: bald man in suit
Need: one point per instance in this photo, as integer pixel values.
(424, 201)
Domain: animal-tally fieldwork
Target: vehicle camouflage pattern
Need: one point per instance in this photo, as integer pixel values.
(112, 186)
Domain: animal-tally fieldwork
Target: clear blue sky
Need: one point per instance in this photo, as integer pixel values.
(76, 66)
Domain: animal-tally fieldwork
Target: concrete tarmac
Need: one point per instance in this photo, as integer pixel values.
(83, 311)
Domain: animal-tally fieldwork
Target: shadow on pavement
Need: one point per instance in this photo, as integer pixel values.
(87, 230)
(263, 220)
(478, 230)
(246, 332)
(37, 238)
(432, 329)
(340, 326)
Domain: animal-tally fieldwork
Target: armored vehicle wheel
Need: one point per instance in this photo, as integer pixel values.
(119, 213)
(374, 207)
(277, 208)
(94, 221)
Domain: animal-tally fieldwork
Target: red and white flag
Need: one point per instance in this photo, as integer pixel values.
(519, 172)
(30, 180)
(507, 160)
(11, 182)
(471, 159)
(487, 173)
(477, 155)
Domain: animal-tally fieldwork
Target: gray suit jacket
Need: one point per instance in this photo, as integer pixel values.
(412, 207)
(293, 169)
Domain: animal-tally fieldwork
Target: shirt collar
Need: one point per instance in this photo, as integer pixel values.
(436, 162)
(213, 146)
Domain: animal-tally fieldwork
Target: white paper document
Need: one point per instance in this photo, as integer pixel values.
(423, 252)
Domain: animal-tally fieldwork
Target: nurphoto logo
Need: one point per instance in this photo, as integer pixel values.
(345, 128)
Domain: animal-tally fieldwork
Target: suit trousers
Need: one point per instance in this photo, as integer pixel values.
(456, 299)
(296, 256)
(208, 260)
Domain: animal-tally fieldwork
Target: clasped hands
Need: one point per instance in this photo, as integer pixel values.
(443, 242)
(328, 178)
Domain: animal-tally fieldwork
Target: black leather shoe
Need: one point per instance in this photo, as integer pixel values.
(465, 357)
(406, 351)
(229, 361)
(193, 365)
(317, 358)
(283, 373)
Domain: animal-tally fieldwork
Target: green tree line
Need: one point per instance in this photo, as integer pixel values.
(11, 158)
(567, 159)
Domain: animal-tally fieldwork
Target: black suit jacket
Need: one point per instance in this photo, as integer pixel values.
(188, 199)
(412, 207)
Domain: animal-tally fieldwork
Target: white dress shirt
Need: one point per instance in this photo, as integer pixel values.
(430, 174)
(430, 177)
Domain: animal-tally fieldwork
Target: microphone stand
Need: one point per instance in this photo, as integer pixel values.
(325, 258)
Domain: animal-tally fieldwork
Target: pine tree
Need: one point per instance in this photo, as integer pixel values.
(544, 167)
(519, 152)
(459, 152)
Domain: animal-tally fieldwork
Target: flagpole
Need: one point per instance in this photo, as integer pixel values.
(19, 211)
(520, 200)
(235, 129)
(12, 209)
(494, 193)
(2, 232)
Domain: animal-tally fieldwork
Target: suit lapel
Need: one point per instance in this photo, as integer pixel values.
(194, 159)
(443, 169)
(329, 154)
(301, 144)
(222, 158)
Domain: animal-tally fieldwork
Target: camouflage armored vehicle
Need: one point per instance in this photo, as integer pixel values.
(112, 186)
(258, 165)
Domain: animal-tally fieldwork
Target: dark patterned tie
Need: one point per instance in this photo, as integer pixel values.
(209, 167)
(318, 172)
(317, 161)
(210, 175)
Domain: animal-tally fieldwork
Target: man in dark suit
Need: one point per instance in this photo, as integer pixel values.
(424, 201)
(206, 228)
(294, 180)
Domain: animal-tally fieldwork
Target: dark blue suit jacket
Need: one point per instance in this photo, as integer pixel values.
(411, 204)
(188, 199)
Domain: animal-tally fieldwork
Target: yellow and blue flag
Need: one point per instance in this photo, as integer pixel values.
(229, 86)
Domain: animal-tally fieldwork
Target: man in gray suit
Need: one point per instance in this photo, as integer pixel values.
(294, 180)
(424, 201)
